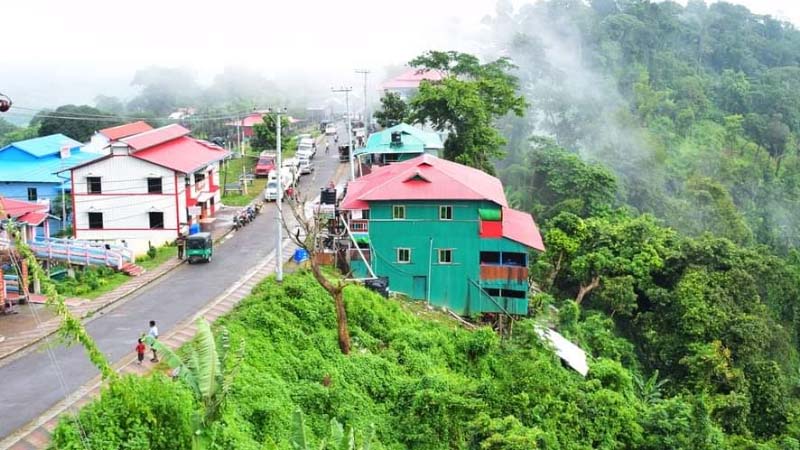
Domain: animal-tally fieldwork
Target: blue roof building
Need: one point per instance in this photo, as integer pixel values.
(399, 143)
(28, 168)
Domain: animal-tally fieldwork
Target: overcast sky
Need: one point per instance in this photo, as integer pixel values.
(93, 44)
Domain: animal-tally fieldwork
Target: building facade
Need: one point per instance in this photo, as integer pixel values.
(148, 189)
(28, 172)
(444, 233)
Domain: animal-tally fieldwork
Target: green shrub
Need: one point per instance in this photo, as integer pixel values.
(133, 413)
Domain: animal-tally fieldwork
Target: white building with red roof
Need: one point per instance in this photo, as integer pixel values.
(101, 140)
(150, 187)
(442, 232)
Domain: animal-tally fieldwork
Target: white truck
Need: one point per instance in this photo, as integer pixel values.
(288, 181)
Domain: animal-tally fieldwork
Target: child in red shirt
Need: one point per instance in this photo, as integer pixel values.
(140, 351)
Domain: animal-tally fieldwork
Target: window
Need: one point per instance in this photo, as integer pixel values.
(365, 214)
(398, 212)
(445, 213)
(93, 185)
(154, 186)
(32, 195)
(445, 256)
(490, 257)
(404, 255)
(95, 221)
(359, 226)
(156, 220)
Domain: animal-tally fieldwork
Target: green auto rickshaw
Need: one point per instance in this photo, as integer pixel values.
(199, 247)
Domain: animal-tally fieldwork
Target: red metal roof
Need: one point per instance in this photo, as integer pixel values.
(30, 213)
(248, 121)
(427, 177)
(155, 137)
(182, 154)
(33, 218)
(520, 227)
(411, 79)
(123, 131)
(17, 208)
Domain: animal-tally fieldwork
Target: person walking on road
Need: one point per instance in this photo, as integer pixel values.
(180, 242)
(153, 333)
(327, 147)
(140, 349)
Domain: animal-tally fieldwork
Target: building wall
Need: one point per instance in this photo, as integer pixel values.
(448, 284)
(126, 204)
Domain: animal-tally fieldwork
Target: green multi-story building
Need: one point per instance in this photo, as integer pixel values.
(398, 143)
(442, 232)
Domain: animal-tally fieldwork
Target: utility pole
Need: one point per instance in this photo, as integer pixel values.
(279, 198)
(367, 120)
(346, 91)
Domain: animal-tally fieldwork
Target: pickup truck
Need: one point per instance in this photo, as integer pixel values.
(265, 164)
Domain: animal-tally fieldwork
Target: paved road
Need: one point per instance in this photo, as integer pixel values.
(30, 385)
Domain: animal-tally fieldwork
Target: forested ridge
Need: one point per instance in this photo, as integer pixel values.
(658, 153)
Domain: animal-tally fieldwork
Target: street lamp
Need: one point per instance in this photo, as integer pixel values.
(279, 197)
(349, 125)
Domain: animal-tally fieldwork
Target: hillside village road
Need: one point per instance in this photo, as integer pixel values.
(31, 385)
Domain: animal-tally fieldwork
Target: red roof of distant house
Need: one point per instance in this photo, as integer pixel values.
(248, 121)
(183, 154)
(411, 79)
(155, 137)
(520, 227)
(122, 131)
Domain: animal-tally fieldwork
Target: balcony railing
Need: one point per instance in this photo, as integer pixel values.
(507, 273)
(359, 225)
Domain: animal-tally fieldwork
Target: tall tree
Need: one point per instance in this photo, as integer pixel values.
(393, 110)
(465, 103)
(77, 122)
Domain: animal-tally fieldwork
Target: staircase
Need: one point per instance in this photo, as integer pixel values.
(132, 269)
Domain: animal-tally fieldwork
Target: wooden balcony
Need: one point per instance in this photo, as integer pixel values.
(506, 273)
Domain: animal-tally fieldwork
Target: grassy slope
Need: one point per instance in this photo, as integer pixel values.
(424, 383)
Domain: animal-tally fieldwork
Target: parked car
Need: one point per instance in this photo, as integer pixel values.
(306, 166)
(330, 130)
(266, 163)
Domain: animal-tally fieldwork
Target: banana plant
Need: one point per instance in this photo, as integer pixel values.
(208, 369)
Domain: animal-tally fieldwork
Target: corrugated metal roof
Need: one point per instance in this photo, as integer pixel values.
(427, 177)
(155, 137)
(520, 227)
(413, 140)
(446, 180)
(566, 350)
(45, 145)
(123, 131)
(183, 154)
(17, 208)
(42, 170)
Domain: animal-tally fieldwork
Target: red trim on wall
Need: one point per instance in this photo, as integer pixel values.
(491, 229)
(177, 206)
(121, 194)
(74, 211)
(128, 229)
